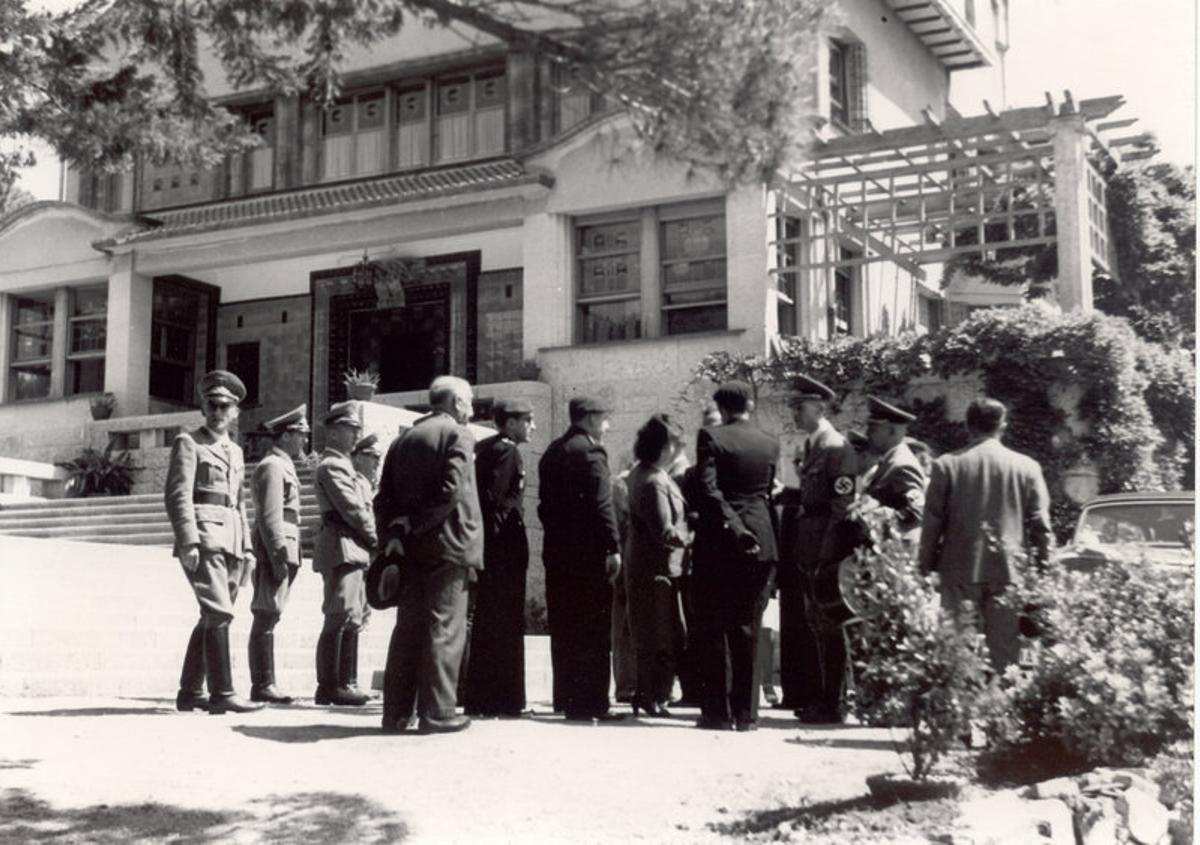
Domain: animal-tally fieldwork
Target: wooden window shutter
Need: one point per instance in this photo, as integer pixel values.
(856, 82)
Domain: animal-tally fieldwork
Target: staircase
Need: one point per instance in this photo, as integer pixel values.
(139, 520)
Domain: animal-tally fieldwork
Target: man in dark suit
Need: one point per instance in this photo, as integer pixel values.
(428, 510)
(813, 654)
(984, 502)
(580, 549)
(896, 482)
(275, 489)
(341, 552)
(203, 497)
(495, 683)
(734, 557)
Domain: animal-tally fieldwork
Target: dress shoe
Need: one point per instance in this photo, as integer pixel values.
(188, 701)
(444, 726)
(219, 704)
(818, 715)
(270, 695)
(745, 725)
(340, 697)
(770, 694)
(609, 717)
(706, 724)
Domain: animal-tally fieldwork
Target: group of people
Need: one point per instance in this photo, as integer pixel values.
(696, 551)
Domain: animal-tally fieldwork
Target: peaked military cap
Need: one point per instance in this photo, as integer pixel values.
(510, 408)
(222, 384)
(582, 405)
(880, 411)
(810, 388)
(857, 439)
(343, 413)
(733, 390)
(368, 444)
(294, 420)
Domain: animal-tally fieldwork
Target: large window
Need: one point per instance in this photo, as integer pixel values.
(88, 326)
(471, 111)
(841, 307)
(574, 102)
(254, 170)
(848, 86)
(839, 85)
(412, 126)
(354, 136)
(679, 272)
(173, 343)
(32, 345)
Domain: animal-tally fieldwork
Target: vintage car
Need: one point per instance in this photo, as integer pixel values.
(1157, 528)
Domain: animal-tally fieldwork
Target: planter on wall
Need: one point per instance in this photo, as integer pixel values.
(102, 406)
(361, 392)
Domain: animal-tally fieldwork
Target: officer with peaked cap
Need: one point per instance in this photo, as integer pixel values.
(203, 497)
(580, 550)
(897, 481)
(495, 681)
(341, 553)
(275, 491)
(813, 657)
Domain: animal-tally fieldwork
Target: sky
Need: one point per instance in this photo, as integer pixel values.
(1144, 50)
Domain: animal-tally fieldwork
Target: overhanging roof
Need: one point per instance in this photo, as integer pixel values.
(329, 199)
(946, 34)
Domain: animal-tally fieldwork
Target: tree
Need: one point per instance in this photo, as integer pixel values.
(719, 84)
(12, 198)
(1152, 227)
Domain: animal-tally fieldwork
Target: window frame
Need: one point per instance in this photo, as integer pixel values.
(472, 77)
(75, 357)
(634, 217)
(351, 99)
(839, 72)
(245, 167)
(189, 366)
(15, 363)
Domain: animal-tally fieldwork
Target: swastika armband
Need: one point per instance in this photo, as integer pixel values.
(843, 485)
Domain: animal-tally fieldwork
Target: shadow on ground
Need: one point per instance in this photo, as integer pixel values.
(98, 711)
(310, 817)
(25, 763)
(306, 733)
(860, 819)
(849, 742)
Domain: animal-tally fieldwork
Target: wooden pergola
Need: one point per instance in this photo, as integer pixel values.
(923, 194)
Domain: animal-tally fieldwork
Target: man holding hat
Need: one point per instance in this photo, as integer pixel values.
(734, 557)
(580, 549)
(203, 496)
(275, 489)
(812, 656)
(897, 481)
(495, 683)
(428, 510)
(341, 553)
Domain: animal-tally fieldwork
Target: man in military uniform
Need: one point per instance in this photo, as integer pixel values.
(495, 684)
(341, 553)
(813, 657)
(275, 489)
(203, 498)
(581, 553)
(897, 481)
(366, 457)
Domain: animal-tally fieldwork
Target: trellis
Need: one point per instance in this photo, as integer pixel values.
(923, 194)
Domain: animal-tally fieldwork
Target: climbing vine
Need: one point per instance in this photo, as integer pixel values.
(1132, 400)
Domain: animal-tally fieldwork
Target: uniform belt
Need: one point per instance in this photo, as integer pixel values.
(291, 516)
(201, 497)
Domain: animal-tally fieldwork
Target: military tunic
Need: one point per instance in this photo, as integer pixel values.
(344, 541)
(495, 684)
(898, 483)
(275, 489)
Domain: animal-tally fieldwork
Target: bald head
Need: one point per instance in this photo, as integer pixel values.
(452, 395)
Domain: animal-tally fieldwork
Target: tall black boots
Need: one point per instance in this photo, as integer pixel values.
(262, 664)
(221, 697)
(337, 669)
(191, 680)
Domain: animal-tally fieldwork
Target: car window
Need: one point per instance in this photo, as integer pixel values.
(1153, 523)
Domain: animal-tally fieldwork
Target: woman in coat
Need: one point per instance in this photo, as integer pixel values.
(657, 536)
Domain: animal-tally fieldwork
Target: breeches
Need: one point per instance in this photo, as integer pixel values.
(270, 596)
(215, 584)
(345, 597)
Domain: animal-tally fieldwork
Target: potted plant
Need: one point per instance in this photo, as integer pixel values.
(361, 384)
(103, 406)
(96, 473)
(529, 370)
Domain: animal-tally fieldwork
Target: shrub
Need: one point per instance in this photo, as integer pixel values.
(95, 473)
(913, 666)
(1112, 683)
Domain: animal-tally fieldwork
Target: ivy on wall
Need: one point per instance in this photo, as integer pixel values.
(1133, 398)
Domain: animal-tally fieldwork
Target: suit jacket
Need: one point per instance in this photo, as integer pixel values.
(735, 470)
(203, 494)
(347, 533)
(500, 477)
(983, 502)
(658, 531)
(828, 472)
(275, 489)
(898, 482)
(429, 478)
(575, 504)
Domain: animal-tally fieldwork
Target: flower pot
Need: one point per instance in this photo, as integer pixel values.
(891, 786)
(362, 392)
(103, 409)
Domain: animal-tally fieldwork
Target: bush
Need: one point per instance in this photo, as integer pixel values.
(95, 473)
(1112, 684)
(913, 666)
